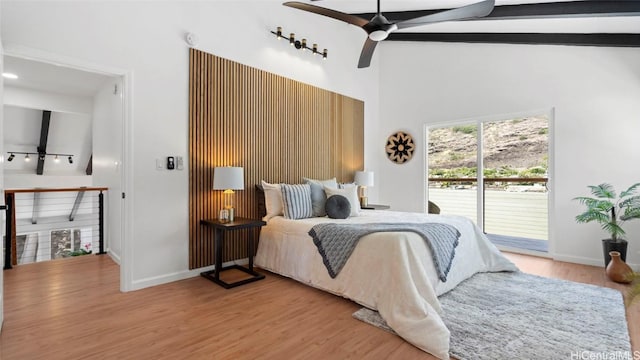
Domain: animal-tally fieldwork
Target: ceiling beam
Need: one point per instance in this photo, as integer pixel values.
(89, 169)
(608, 39)
(76, 205)
(535, 11)
(44, 136)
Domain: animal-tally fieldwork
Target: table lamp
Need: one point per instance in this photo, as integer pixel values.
(363, 179)
(228, 178)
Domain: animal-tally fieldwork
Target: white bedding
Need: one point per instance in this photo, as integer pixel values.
(391, 272)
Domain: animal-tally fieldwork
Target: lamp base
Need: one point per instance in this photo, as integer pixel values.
(364, 201)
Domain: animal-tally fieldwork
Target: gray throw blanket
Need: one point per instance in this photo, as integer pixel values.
(336, 242)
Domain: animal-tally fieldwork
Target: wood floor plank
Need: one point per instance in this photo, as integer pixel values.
(73, 309)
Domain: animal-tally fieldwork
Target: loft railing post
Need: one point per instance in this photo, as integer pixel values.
(101, 222)
(8, 231)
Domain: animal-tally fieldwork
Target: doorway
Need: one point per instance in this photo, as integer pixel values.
(495, 171)
(71, 87)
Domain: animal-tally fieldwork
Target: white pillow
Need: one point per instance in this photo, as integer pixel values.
(272, 200)
(318, 196)
(347, 185)
(351, 193)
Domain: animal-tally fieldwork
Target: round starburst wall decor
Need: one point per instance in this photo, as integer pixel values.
(400, 147)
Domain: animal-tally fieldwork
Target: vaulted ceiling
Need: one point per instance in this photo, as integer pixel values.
(594, 23)
(48, 109)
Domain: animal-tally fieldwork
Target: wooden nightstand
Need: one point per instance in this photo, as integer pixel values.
(375, 207)
(220, 229)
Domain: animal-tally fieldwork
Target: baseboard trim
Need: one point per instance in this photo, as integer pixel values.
(586, 261)
(176, 276)
(115, 257)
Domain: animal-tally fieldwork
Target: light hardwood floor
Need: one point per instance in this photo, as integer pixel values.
(72, 309)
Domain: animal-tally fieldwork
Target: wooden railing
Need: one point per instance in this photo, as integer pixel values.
(10, 208)
(488, 179)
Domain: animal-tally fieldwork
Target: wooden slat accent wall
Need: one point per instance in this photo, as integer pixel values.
(276, 128)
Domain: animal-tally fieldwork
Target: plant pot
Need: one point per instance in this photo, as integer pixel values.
(609, 245)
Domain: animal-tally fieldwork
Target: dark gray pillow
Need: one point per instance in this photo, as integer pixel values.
(338, 207)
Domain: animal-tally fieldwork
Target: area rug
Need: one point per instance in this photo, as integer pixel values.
(523, 316)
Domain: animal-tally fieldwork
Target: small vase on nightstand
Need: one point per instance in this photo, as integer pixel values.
(618, 270)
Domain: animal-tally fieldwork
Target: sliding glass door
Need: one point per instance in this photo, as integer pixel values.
(494, 172)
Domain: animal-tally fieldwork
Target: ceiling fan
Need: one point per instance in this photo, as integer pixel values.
(378, 28)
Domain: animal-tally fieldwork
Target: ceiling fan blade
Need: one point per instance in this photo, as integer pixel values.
(367, 53)
(351, 19)
(479, 9)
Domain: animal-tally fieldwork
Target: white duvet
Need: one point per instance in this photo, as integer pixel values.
(391, 272)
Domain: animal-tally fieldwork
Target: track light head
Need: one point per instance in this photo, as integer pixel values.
(11, 156)
(292, 39)
(56, 159)
(279, 32)
(324, 54)
(27, 158)
(70, 160)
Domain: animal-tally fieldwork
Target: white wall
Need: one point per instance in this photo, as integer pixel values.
(107, 157)
(2, 216)
(594, 92)
(147, 39)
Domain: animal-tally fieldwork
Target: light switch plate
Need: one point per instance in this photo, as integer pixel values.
(179, 162)
(159, 164)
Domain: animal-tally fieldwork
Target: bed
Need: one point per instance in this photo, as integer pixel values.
(391, 272)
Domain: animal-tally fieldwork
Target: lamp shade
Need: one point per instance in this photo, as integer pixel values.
(364, 178)
(228, 178)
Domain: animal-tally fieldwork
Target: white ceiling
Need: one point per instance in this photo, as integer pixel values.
(362, 6)
(51, 78)
(69, 133)
(618, 24)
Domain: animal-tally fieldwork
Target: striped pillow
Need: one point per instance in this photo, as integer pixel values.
(297, 201)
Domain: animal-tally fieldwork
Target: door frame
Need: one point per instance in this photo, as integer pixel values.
(550, 112)
(126, 261)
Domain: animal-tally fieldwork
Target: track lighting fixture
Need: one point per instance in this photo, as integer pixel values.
(299, 44)
(41, 156)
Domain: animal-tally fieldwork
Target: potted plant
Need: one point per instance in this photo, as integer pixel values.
(605, 208)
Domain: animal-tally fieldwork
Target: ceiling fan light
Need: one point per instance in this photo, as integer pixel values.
(378, 35)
